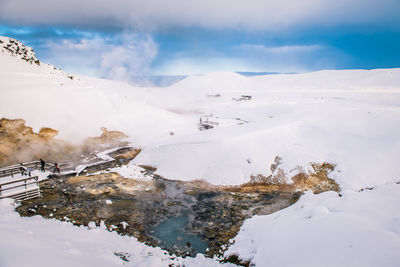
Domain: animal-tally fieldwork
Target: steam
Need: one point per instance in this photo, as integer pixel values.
(130, 60)
(125, 57)
(19, 143)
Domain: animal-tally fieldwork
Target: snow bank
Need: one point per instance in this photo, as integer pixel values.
(35, 241)
(358, 229)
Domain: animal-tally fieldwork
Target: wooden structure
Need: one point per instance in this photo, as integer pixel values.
(15, 169)
(206, 124)
(21, 189)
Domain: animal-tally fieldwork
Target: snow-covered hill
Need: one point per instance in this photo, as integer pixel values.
(78, 106)
(18, 49)
(349, 118)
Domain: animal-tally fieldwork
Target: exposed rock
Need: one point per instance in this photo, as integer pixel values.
(46, 132)
(111, 138)
(18, 49)
(19, 143)
(136, 208)
(317, 180)
(214, 214)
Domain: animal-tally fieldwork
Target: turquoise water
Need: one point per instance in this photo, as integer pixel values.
(171, 233)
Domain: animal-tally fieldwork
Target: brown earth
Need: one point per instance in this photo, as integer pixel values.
(19, 143)
(316, 180)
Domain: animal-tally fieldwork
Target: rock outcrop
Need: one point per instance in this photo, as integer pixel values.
(19, 143)
(18, 49)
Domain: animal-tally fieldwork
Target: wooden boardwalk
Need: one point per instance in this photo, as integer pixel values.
(14, 169)
(21, 189)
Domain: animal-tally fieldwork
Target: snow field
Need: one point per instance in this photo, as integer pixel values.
(349, 118)
(358, 229)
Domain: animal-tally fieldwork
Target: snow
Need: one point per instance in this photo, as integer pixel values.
(131, 171)
(35, 241)
(358, 229)
(344, 117)
(104, 154)
(349, 118)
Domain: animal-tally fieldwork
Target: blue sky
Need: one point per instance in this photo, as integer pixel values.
(131, 38)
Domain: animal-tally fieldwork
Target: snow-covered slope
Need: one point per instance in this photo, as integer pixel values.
(349, 118)
(35, 242)
(358, 229)
(46, 96)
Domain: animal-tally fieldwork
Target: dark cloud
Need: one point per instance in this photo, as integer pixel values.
(125, 38)
(148, 15)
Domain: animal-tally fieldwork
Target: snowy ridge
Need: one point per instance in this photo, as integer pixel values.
(18, 49)
(11, 49)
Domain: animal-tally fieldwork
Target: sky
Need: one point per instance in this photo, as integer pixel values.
(124, 39)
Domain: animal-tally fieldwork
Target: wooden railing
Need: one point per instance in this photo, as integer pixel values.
(26, 193)
(15, 169)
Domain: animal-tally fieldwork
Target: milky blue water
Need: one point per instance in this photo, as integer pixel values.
(171, 233)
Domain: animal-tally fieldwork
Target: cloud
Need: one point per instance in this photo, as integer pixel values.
(126, 56)
(157, 14)
(279, 50)
(291, 58)
(130, 60)
(192, 65)
(255, 58)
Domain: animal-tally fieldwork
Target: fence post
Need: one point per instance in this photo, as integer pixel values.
(37, 185)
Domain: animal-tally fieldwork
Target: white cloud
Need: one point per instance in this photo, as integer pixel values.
(291, 58)
(279, 50)
(255, 58)
(185, 65)
(149, 14)
(123, 57)
(132, 58)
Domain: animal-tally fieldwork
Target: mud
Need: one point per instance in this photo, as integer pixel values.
(208, 216)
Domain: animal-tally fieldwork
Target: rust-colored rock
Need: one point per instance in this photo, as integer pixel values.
(107, 137)
(19, 143)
